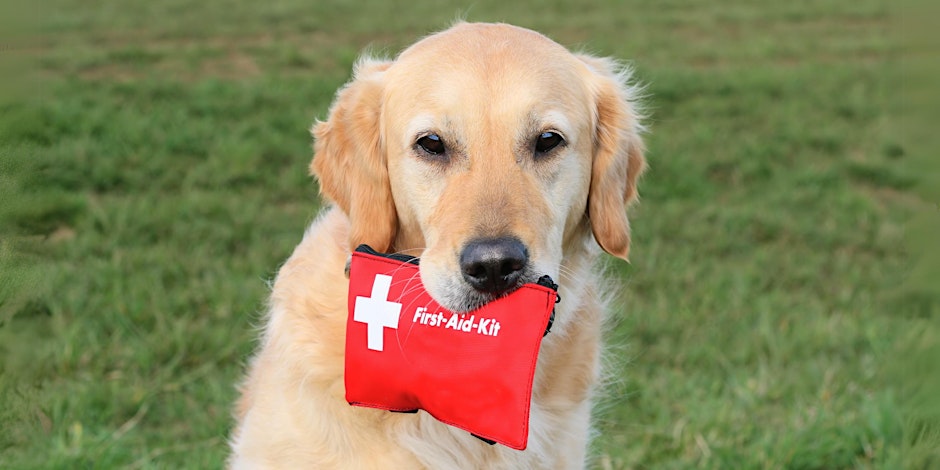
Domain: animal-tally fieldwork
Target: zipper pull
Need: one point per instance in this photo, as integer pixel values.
(546, 281)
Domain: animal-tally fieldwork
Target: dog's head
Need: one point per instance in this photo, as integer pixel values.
(489, 151)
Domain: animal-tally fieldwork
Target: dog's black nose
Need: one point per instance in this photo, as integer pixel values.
(493, 265)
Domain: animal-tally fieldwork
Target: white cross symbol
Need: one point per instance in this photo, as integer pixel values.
(377, 312)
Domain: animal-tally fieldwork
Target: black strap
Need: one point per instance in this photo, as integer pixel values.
(490, 442)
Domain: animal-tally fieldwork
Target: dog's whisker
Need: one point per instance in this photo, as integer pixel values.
(411, 290)
(408, 251)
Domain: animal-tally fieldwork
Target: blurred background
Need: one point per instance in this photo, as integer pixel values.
(780, 310)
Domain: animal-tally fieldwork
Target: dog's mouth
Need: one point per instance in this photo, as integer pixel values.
(464, 297)
(476, 284)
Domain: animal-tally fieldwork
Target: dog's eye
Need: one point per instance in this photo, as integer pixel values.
(432, 143)
(547, 141)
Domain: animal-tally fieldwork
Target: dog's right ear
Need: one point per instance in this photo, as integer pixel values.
(349, 158)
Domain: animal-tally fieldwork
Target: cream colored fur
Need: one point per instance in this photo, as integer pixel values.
(489, 91)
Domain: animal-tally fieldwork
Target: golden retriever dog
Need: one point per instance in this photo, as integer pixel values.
(495, 155)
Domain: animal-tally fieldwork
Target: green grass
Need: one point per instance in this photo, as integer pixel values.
(153, 176)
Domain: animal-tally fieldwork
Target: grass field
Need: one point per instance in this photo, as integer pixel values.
(153, 176)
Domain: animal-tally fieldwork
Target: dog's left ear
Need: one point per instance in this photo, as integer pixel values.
(618, 159)
(349, 158)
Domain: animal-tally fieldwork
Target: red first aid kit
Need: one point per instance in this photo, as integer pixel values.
(474, 371)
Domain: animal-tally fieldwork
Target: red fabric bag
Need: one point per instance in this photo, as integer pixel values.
(404, 352)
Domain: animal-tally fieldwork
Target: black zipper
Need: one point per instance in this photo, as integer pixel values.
(395, 256)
